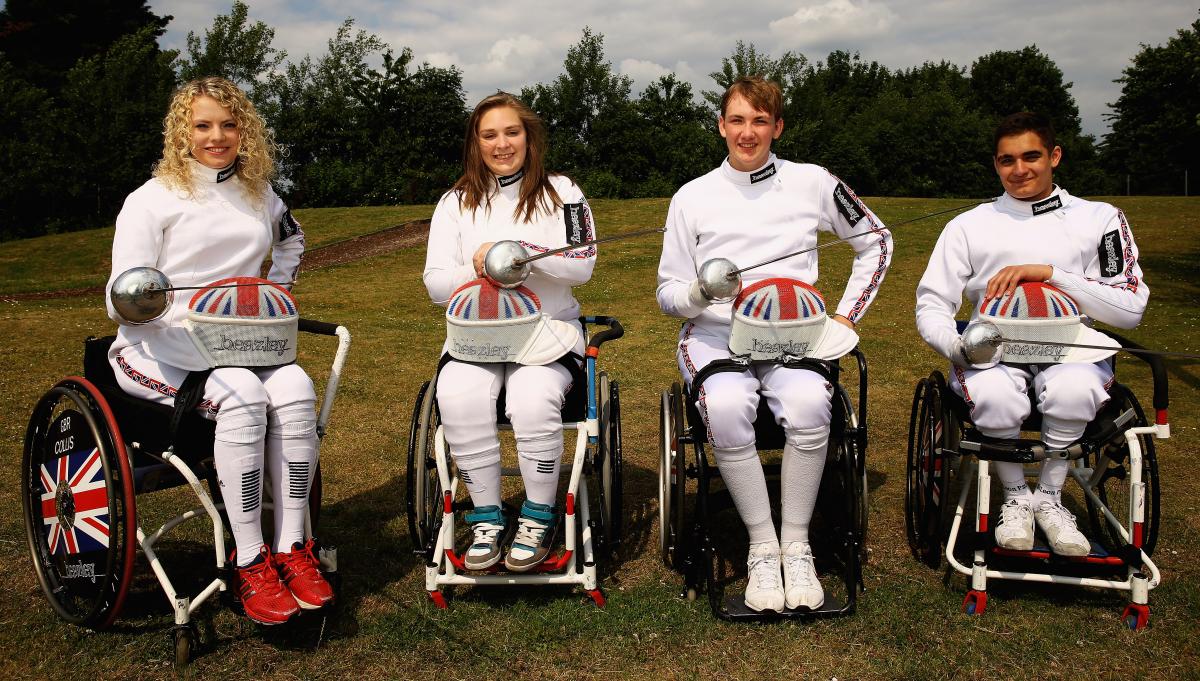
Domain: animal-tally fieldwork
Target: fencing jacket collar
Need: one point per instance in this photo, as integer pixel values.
(1058, 199)
(753, 177)
(211, 175)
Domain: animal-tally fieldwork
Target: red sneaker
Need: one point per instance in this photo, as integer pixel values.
(300, 571)
(263, 596)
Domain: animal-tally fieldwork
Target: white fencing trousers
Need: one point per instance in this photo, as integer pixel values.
(466, 396)
(243, 402)
(1069, 395)
(801, 401)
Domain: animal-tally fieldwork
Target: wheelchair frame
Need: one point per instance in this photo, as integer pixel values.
(686, 544)
(597, 452)
(1089, 459)
(93, 404)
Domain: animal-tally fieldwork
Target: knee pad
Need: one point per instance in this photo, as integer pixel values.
(293, 422)
(735, 454)
(807, 438)
(241, 424)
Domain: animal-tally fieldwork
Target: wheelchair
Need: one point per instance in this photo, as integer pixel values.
(687, 541)
(591, 526)
(90, 449)
(1114, 464)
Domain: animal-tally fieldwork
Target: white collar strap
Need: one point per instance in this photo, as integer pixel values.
(756, 176)
(1058, 199)
(213, 175)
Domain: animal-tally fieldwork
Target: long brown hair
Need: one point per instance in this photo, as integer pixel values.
(477, 185)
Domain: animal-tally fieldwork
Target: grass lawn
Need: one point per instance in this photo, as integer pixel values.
(908, 624)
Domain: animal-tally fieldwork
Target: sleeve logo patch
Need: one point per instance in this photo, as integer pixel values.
(288, 226)
(1110, 254)
(1047, 205)
(578, 220)
(849, 207)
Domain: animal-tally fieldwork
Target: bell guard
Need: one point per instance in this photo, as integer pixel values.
(244, 322)
(780, 319)
(487, 323)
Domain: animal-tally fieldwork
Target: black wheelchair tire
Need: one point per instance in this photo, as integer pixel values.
(423, 501)
(926, 499)
(80, 595)
(610, 472)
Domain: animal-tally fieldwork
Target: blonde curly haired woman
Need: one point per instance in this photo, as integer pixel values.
(207, 214)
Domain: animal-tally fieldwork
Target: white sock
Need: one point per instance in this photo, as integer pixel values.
(540, 460)
(1051, 480)
(800, 480)
(540, 477)
(291, 457)
(238, 457)
(1012, 479)
(742, 472)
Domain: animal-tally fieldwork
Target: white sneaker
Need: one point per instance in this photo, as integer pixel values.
(1015, 529)
(1059, 527)
(800, 583)
(763, 590)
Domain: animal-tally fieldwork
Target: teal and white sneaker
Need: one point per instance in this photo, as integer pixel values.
(487, 527)
(535, 533)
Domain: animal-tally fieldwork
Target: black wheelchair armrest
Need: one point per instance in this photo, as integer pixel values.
(314, 326)
(613, 332)
(1158, 369)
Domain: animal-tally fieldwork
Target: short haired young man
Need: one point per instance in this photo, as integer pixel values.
(754, 207)
(1035, 232)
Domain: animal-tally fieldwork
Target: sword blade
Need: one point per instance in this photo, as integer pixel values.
(855, 236)
(197, 288)
(1114, 348)
(626, 235)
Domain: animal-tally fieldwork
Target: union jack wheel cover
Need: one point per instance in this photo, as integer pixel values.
(77, 494)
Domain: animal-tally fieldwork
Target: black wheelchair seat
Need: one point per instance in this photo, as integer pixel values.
(146, 423)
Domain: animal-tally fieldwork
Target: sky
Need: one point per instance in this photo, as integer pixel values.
(508, 45)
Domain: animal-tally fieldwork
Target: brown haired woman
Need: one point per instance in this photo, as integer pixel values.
(209, 213)
(505, 193)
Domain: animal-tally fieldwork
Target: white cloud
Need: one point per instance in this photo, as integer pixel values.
(834, 21)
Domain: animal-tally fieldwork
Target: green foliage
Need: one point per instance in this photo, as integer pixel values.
(43, 39)
(746, 60)
(232, 48)
(1155, 134)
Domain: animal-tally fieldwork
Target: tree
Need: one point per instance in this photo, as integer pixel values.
(43, 39)
(586, 110)
(1155, 135)
(235, 49)
(677, 137)
(746, 60)
(119, 96)
(30, 160)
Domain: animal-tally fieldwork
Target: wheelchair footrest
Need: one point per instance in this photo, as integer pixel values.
(735, 609)
(1098, 556)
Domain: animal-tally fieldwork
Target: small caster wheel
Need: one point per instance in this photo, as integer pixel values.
(691, 594)
(184, 638)
(1136, 617)
(975, 602)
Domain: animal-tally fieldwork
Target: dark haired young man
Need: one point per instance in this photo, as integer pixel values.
(1035, 232)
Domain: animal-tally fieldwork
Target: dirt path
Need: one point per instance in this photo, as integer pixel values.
(386, 240)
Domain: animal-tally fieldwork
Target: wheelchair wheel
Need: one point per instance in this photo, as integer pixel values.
(1113, 486)
(850, 448)
(609, 409)
(671, 477)
(78, 498)
(423, 488)
(932, 430)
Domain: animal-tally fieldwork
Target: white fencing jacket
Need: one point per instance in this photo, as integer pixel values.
(751, 217)
(1088, 243)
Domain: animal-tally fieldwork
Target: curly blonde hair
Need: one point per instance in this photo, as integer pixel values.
(256, 153)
